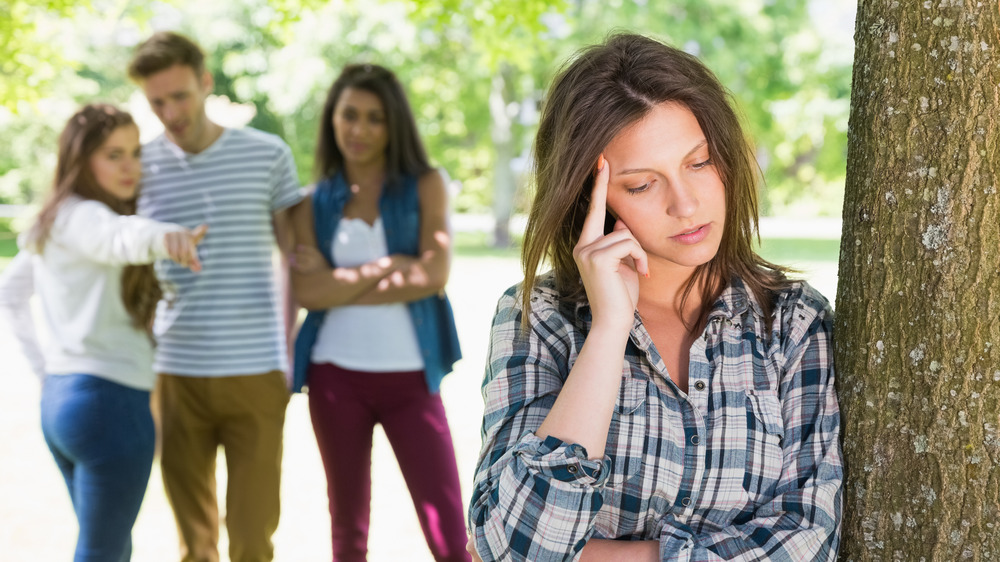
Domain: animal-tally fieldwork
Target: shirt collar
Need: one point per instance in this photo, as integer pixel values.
(734, 301)
(181, 154)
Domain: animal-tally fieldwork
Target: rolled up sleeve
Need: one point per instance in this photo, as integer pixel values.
(533, 499)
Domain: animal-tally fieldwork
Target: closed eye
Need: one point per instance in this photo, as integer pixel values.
(704, 164)
(637, 190)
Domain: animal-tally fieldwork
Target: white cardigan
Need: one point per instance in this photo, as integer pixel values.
(78, 279)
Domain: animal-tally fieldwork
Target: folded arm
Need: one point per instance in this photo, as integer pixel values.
(319, 286)
(395, 278)
(427, 274)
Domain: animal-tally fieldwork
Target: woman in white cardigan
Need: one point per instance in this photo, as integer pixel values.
(89, 260)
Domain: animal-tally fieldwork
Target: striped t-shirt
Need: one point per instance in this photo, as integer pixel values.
(224, 320)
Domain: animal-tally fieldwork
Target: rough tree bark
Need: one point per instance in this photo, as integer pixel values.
(918, 306)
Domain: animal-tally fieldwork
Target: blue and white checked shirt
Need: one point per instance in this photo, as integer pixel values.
(745, 466)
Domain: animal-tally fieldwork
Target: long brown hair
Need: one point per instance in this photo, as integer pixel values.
(83, 135)
(405, 154)
(596, 96)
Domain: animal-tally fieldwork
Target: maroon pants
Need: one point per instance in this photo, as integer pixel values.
(345, 405)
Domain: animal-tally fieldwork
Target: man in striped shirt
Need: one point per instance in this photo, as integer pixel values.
(221, 352)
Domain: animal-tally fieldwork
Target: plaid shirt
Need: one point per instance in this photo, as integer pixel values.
(744, 466)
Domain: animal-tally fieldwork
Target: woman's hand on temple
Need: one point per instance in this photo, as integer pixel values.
(182, 246)
(610, 264)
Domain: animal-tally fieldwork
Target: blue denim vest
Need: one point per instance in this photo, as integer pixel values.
(432, 316)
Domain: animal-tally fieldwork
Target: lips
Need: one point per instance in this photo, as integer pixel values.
(129, 184)
(176, 130)
(693, 235)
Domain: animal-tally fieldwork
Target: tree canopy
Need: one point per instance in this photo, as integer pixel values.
(277, 58)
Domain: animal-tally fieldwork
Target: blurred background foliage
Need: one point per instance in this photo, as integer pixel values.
(476, 72)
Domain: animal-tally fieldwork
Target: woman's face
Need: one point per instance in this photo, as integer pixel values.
(359, 127)
(666, 189)
(116, 164)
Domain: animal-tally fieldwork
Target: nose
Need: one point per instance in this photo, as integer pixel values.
(169, 112)
(131, 164)
(358, 127)
(682, 201)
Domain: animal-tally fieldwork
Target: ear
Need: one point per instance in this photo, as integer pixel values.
(207, 82)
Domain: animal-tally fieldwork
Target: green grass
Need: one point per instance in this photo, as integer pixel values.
(778, 250)
(8, 243)
(785, 251)
(477, 245)
(782, 251)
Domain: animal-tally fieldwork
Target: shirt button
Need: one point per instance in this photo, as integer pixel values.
(686, 502)
(571, 469)
(700, 385)
(695, 440)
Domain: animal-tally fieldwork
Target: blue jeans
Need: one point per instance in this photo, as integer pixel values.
(102, 437)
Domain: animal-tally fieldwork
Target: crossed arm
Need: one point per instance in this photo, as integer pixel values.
(394, 278)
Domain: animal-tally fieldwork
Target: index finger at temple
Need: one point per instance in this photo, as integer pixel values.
(593, 224)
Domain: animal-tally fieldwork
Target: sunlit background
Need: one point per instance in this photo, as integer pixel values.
(476, 73)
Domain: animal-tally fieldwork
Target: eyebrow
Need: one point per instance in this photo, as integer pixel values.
(171, 94)
(356, 109)
(696, 148)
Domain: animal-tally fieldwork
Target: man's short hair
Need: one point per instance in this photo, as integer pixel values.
(163, 50)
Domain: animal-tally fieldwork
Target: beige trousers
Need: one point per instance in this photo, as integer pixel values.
(245, 415)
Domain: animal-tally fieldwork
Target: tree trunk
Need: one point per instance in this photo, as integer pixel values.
(502, 131)
(918, 306)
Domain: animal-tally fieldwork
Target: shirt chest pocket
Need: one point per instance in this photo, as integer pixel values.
(627, 433)
(765, 436)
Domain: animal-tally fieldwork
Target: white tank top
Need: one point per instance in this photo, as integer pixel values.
(378, 337)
